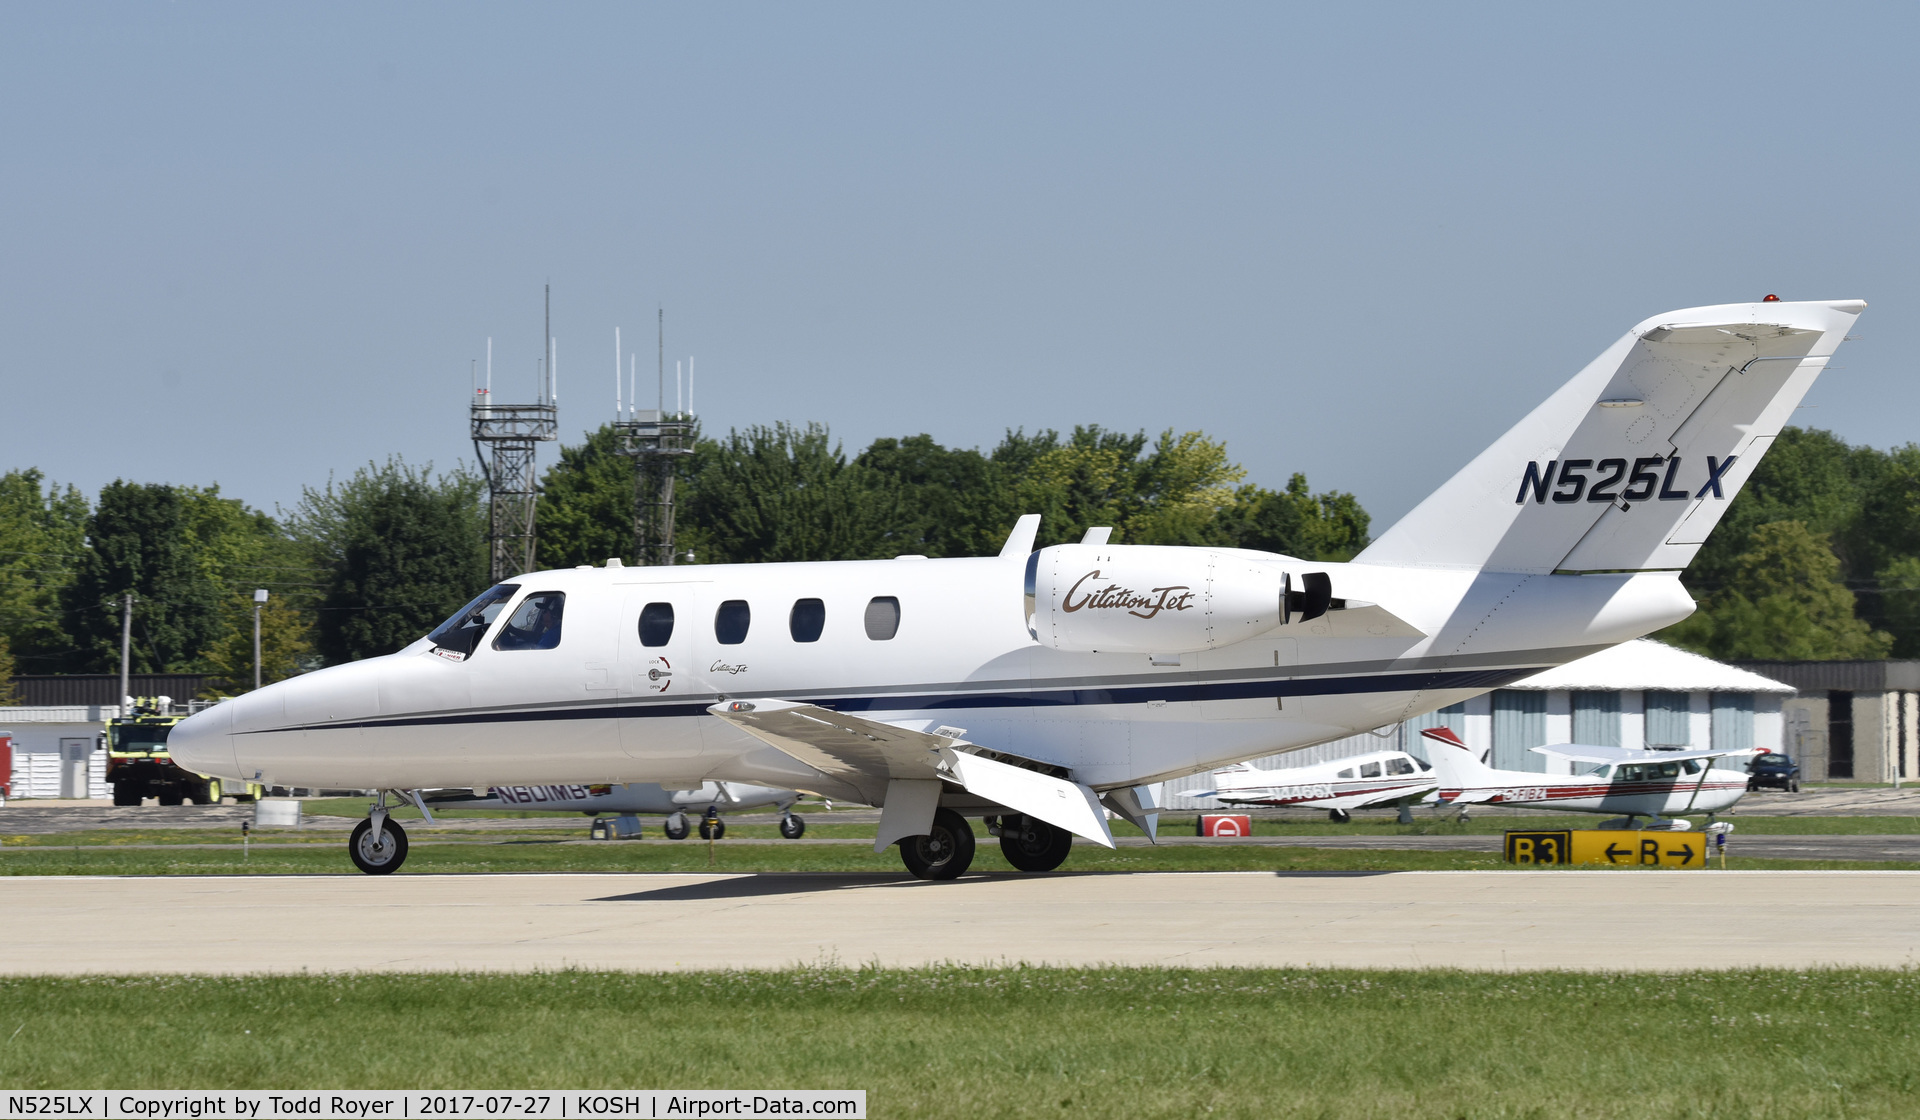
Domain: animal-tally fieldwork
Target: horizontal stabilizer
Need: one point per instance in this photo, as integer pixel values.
(1059, 802)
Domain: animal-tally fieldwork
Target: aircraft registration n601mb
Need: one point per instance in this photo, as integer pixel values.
(1035, 688)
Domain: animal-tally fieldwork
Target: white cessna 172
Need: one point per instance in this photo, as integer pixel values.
(1633, 783)
(1363, 781)
(1036, 688)
(636, 797)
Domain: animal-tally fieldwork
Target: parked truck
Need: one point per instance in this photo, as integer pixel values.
(139, 766)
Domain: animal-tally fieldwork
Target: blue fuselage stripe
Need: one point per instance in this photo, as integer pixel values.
(1055, 698)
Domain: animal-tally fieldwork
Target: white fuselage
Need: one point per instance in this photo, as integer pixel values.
(1378, 778)
(1647, 790)
(601, 707)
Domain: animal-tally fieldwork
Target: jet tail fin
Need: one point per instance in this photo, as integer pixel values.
(1629, 465)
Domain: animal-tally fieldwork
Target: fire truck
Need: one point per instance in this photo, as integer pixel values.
(139, 766)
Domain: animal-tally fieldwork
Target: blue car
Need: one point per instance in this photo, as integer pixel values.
(1773, 771)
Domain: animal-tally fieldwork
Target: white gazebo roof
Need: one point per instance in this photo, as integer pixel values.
(1647, 664)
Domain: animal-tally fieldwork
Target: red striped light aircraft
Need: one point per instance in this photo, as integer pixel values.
(1657, 785)
(1365, 781)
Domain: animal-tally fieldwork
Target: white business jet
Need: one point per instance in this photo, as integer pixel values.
(1039, 688)
(1366, 781)
(705, 799)
(1632, 783)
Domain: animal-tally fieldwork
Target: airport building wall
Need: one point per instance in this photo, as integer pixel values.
(55, 749)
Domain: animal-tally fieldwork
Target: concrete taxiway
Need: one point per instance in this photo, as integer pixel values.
(1629, 920)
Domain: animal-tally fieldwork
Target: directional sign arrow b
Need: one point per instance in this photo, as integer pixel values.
(1614, 854)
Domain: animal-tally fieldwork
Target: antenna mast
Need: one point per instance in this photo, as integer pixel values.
(504, 439)
(656, 440)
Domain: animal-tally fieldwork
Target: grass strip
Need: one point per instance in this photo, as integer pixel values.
(958, 1041)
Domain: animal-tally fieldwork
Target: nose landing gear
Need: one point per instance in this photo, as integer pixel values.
(378, 845)
(791, 826)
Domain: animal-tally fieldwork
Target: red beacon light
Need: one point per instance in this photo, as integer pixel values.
(1771, 298)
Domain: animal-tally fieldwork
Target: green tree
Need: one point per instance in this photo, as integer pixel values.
(585, 513)
(43, 537)
(286, 644)
(945, 501)
(398, 548)
(1296, 522)
(8, 693)
(1782, 599)
(141, 539)
(785, 493)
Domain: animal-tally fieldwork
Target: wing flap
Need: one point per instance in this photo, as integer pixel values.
(1065, 804)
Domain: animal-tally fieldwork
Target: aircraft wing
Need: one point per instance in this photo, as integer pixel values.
(1576, 752)
(872, 756)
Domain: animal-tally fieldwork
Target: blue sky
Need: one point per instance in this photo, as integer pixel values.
(255, 244)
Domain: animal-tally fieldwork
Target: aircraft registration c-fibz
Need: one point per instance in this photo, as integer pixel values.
(1039, 688)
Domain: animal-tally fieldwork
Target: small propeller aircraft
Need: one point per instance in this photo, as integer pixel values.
(1634, 783)
(1045, 687)
(1363, 781)
(637, 797)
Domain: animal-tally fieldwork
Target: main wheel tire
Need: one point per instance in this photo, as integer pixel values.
(206, 793)
(1339, 816)
(126, 793)
(676, 827)
(172, 795)
(1031, 844)
(792, 827)
(378, 855)
(714, 831)
(943, 853)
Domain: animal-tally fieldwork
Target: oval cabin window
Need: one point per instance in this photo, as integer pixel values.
(730, 622)
(883, 618)
(808, 618)
(656, 624)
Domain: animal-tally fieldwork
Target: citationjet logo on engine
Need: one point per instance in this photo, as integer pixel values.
(1137, 603)
(1621, 481)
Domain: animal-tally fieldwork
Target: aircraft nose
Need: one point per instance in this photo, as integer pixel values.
(203, 742)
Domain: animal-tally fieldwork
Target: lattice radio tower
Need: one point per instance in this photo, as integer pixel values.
(656, 439)
(504, 439)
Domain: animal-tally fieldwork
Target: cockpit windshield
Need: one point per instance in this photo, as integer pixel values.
(461, 634)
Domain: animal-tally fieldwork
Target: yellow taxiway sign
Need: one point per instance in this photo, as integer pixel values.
(1608, 848)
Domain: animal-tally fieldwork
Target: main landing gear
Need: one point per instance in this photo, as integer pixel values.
(945, 852)
(378, 845)
(1029, 843)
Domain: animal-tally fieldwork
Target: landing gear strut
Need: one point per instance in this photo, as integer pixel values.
(945, 852)
(1339, 816)
(1031, 844)
(378, 845)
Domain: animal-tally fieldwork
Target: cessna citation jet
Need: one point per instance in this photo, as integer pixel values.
(1044, 689)
(1633, 783)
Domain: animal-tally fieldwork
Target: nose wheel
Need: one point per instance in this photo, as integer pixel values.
(676, 827)
(378, 851)
(792, 827)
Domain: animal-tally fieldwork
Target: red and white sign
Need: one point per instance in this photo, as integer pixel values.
(1226, 824)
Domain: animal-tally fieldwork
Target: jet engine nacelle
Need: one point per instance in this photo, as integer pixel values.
(1161, 598)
